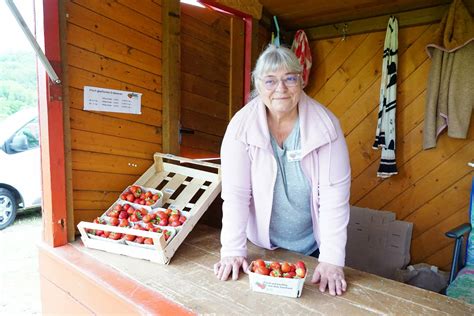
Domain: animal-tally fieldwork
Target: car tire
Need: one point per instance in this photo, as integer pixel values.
(8, 208)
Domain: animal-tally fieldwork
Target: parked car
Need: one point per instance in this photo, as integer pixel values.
(20, 165)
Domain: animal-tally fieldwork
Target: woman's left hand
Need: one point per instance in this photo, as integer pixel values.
(330, 276)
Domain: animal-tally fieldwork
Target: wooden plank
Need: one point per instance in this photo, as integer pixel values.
(433, 183)
(415, 168)
(442, 258)
(78, 78)
(106, 125)
(194, 44)
(367, 294)
(171, 75)
(434, 239)
(94, 200)
(99, 162)
(415, 54)
(149, 116)
(195, 153)
(332, 63)
(208, 25)
(109, 48)
(362, 155)
(205, 88)
(93, 208)
(147, 8)
(197, 64)
(361, 95)
(86, 215)
(101, 181)
(132, 19)
(236, 81)
(104, 66)
(320, 49)
(205, 106)
(114, 30)
(379, 23)
(441, 206)
(202, 141)
(370, 49)
(208, 16)
(203, 123)
(88, 141)
(408, 90)
(366, 102)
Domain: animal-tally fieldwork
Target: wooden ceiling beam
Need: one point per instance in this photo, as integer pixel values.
(378, 23)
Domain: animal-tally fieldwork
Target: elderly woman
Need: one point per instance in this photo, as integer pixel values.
(285, 175)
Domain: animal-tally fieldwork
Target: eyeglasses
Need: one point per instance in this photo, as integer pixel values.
(290, 80)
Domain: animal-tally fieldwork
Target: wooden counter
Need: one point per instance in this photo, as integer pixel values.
(189, 284)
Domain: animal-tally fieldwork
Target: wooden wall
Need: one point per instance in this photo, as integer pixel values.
(212, 61)
(205, 62)
(432, 187)
(111, 44)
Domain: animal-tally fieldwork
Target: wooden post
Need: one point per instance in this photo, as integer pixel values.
(51, 127)
(171, 77)
(236, 80)
(67, 125)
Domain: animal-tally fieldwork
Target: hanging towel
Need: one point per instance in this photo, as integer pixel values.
(301, 49)
(450, 93)
(385, 133)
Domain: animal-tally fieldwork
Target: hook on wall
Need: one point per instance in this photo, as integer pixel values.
(344, 31)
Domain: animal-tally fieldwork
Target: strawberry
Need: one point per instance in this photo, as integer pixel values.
(300, 272)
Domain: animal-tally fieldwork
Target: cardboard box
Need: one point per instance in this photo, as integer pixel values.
(376, 242)
(276, 286)
(190, 188)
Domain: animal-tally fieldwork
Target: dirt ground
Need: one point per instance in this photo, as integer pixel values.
(19, 277)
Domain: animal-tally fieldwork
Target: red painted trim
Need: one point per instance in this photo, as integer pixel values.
(101, 276)
(248, 57)
(248, 40)
(51, 126)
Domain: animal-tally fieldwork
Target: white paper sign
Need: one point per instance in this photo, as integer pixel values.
(109, 100)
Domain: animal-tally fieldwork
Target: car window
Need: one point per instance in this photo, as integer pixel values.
(26, 138)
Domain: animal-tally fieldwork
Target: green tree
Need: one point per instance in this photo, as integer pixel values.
(18, 87)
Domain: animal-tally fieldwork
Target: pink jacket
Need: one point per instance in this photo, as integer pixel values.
(249, 174)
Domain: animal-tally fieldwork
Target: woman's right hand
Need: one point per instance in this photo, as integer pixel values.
(226, 265)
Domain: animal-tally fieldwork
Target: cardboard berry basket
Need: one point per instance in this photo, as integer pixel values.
(158, 203)
(276, 286)
(187, 185)
(170, 229)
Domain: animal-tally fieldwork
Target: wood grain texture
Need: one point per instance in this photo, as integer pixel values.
(211, 71)
(114, 29)
(116, 45)
(189, 280)
(432, 186)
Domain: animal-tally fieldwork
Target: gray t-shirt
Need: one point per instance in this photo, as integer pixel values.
(291, 223)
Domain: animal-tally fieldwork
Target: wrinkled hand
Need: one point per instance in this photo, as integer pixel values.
(331, 276)
(226, 265)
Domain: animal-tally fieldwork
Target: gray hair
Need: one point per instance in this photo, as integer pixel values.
(273, 59)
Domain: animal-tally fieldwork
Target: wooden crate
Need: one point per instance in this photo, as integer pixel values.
(188, 185)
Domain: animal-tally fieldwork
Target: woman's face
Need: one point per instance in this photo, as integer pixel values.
(280, 91)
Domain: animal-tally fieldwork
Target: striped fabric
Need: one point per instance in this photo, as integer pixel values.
(301, 49)
(385, 133)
